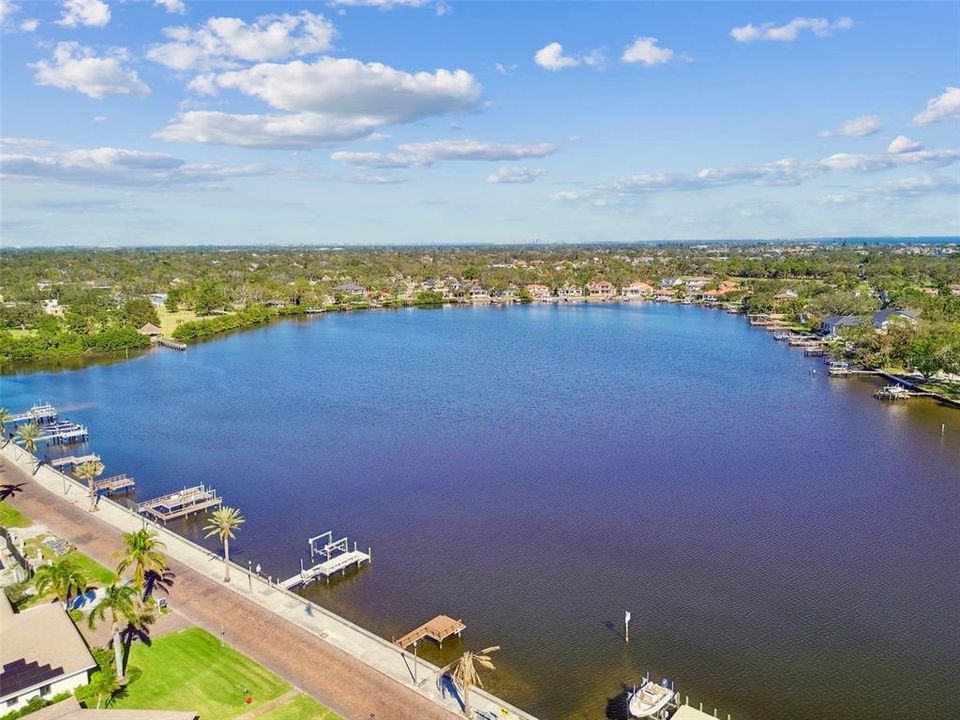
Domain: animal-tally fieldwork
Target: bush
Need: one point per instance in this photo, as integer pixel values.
(212, 326)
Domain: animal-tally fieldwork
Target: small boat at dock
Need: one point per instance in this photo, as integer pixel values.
(650, 698)
(893, 392)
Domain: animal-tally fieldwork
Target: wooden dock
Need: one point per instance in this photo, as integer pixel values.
(181, 503)
(39, 413)
(812, 350)
(338, 557)
(172, 344)
(115, 484)
(438, 630)
(71, 461)
(64, 432)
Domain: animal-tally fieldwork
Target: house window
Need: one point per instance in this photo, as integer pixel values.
(44, 691)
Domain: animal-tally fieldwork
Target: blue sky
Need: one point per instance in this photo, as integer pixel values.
(414, 121)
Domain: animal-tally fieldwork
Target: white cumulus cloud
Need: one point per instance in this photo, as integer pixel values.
(476, 150)
(380, 160)
(551, 57)
(30, 25)
(903, 144)
(646, 51)
(943, 107)
(858, 127)
(75, 67)
(294, 131)
(512, 174)
(84, 13)
(381, 4)
(7, 9)
(788, 32)
(174, 7)
(117, 166)
(220, 42)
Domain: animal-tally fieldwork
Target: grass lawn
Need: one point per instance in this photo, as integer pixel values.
(300, 708)
(11, 517)
(170, 321)
(95, 572)
(189, 670)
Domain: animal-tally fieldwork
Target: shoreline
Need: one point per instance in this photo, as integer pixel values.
(374, 652)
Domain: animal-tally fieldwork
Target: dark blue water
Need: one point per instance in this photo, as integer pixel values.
(787, 544)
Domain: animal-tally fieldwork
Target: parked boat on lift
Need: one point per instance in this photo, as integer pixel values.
(650, 698)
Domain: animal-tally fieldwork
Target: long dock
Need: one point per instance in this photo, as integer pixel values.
(180, 504)
(438, 629)
(71, 461)
(39, 413)
(114, 484)
(172, 344)
(64, 432)
(338, 556)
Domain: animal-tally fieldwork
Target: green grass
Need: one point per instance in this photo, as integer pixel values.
(11, 517)
(189, 670)
(96, 573)
(170, 321)
(300, 708)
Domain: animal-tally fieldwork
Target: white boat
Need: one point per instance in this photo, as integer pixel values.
(649, 699)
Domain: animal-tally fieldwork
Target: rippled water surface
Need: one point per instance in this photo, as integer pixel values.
(787, 544)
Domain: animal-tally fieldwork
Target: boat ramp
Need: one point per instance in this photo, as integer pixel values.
(337, 558)
(180, 503)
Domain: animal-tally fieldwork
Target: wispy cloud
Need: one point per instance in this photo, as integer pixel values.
(858, 127)
(945, 106)
(551, 57)
(788, 32)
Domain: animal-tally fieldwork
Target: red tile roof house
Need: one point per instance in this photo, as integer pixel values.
(538, 291)
(637, 289)
(601, 289)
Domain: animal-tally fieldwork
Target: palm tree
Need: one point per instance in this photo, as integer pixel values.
(28, 435)
(61, 577)
(223, 522)
(123, 603)
(465, 672)
(88, 472)
(142, 551)
(5, 417)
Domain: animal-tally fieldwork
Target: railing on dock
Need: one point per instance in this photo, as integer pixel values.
(181, 503)
(338, 556)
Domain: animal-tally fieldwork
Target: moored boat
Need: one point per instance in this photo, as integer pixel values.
(649, 699)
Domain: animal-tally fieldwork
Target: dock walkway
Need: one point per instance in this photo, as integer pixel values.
(39, 413)
(438, 629)
(116, 483)
(181, 503)
(338, 556)
(69, 462)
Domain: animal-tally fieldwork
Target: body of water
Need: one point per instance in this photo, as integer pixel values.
(788, 545)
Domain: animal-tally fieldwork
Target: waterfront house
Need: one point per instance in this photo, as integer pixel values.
(831, 325)
(601, 289)
(538, 291)
(477, 294)
(667, 283)
(351, 289)
(697, 283)
(570, 292)
(881, 320)
(638, 289)
(151, 331)
(41, 655)
(53, 307)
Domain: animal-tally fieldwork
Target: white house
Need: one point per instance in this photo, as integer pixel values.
(53, 307)
(570, 292)
(41, 654)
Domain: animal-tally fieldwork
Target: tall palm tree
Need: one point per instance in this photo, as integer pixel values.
(466, 675)
(123, 604)
(62, 577)
(89, 472)
(27, 435)
(223, 522)
(142, 551)
(5, 417)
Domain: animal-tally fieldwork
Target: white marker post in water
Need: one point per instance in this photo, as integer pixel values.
(626, 625)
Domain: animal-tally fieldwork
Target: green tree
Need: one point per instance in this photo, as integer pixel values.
(27, 435)
(123, 604)
(143, 552)
(5, 417)
(223, 522)
(138, 312)
(89, 472)
(62, 577)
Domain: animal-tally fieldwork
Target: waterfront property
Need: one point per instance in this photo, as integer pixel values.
(834, 323)
(601, 289)
(337, 558)
(437, 629)
(41, 654)
(70, 462)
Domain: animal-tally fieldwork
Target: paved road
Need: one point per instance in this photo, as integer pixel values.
(339, 681)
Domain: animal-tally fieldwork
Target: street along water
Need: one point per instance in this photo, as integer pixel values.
(787, 544)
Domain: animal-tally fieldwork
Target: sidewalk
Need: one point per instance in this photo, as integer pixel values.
(368, 675)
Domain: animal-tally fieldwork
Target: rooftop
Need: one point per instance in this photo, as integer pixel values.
(70, 709)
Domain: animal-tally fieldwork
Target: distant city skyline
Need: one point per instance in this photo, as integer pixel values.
(417, 122)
